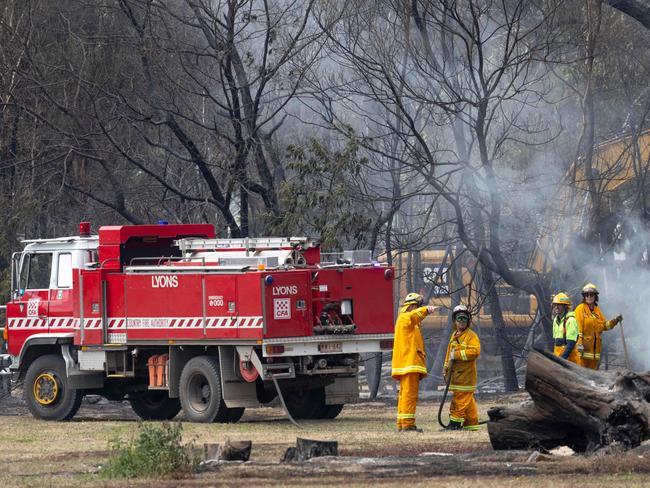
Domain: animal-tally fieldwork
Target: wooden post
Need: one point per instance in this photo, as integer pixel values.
(627, 358)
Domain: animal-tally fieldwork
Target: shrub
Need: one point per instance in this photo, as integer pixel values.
(156, 451)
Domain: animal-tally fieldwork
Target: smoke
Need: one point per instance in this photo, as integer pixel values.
(533, 137)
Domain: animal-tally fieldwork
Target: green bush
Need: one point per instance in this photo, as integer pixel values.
(156, 451)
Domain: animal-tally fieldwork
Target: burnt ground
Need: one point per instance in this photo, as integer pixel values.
(370, 451)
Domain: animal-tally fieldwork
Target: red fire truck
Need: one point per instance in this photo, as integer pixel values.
(170, 317)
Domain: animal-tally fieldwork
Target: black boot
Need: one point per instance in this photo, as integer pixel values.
(453, 425)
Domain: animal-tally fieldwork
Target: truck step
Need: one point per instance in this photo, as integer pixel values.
(278, 370)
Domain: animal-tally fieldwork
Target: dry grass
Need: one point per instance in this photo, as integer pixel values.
(38, 453)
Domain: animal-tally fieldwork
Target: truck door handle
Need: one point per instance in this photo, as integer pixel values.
(42, 317)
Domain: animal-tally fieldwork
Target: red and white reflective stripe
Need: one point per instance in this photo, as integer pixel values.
(114, 323)
(185, 323)
(197, 322)
(219, 322)
(118, 323)
(234, 322)
(63, 322)
(30, 323)
(249, 322)
(92, 323)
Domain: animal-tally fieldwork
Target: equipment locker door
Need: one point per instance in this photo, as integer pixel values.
(163, 306)
(222, 309)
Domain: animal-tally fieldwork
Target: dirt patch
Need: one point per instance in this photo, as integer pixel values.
(417, 449)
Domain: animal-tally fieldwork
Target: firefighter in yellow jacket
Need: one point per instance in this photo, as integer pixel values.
(462, 351)
(591, 324)
(565, 329)
(409, 359)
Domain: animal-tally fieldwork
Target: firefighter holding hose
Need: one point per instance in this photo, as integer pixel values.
(409, 358)
(460, 362)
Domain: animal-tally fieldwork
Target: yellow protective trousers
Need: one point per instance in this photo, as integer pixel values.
(407, 400)
(463, 409)
(589, 363)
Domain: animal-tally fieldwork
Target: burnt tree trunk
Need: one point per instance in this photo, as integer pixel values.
(373, 362)
(499, 328)
(574, 406)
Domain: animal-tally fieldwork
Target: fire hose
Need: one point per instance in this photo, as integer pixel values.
(444, 395)
(284, 405)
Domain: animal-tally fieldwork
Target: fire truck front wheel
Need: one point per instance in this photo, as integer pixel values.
(155, 405)
(200, 391)
(46, 390)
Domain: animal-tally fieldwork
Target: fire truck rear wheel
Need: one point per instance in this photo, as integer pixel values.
(46, 390)
(155, 405)
(330, 411)
(200, 391)
(305, 404)
(234, 414)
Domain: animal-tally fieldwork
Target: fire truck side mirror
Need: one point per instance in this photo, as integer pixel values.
(15, 276)
(15, 292)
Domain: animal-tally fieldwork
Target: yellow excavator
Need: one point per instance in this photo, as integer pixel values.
(617, 163)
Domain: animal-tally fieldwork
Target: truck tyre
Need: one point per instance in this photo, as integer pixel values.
(234, 414)
(46, 390)
(305, 404)
(200, 391)
(330, 411)
(323, 410)
(155, 405)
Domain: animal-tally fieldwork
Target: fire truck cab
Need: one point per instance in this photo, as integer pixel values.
(170, 318)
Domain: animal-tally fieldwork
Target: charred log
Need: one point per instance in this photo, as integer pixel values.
(574, 406)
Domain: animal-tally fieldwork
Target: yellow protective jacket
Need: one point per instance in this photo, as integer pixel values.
(467, 348)
(566, 329)
(409, 355)
(591, 325)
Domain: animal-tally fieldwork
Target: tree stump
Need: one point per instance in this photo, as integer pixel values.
(574, 406)
(308, 448)
(229, 451)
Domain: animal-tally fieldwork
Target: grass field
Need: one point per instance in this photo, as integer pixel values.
(38, 453)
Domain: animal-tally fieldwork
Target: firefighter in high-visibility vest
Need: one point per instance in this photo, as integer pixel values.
(409, 359)
(460, 362)
(565, 329)
(591, 324)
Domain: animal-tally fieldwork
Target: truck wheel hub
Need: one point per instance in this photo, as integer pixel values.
(46, 389)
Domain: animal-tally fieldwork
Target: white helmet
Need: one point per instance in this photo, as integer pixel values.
(460, 309)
